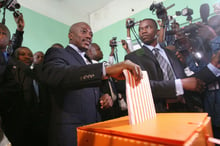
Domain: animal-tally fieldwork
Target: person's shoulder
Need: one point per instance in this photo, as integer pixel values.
(54, 49)
(55, 52)
(138, 52)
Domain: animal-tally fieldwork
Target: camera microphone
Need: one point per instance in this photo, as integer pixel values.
(204, 13)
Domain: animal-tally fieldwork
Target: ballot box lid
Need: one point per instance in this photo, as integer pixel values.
(169, 128)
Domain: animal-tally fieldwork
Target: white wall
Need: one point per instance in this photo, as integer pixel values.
(117, 10)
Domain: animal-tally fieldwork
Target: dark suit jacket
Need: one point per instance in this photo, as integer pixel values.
(73, 92)
(162, 89)
(147, 61)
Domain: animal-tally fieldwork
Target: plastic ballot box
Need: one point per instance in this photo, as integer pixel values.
(175, 129)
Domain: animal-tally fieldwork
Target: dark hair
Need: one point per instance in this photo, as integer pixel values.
(150, 19)
(5, 28)
(57, 45)
(17, 51)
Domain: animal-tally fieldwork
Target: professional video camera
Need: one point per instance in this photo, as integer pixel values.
(189, 33)
(11, 5)
(130, 23)
(160, 10)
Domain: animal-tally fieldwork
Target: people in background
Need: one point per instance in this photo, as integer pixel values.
(94, 53)
(38, 57)
(7, 48)
(28, 109)
(57, 45)
(210, 34)
(166, 73)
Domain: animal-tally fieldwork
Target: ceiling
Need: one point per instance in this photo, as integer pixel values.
(65, 11)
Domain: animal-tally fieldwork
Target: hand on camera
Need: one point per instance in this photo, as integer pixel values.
(20, 22)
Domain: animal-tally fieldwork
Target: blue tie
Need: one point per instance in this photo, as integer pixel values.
(6, 56)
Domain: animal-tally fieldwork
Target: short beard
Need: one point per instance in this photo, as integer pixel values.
(150, 41)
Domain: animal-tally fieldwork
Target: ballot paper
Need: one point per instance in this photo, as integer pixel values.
(139, 98)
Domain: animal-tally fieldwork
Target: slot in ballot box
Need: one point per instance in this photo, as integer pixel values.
(182, 129)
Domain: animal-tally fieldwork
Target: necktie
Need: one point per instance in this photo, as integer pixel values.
(167, 73)
(6, 56)
(36, 89)
(164, 65)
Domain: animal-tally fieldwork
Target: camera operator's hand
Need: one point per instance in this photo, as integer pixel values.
(181, 57)
(206, 32)
(128, 22)
(216, 59)
(125, 46)
(116, 70)
(20, 22)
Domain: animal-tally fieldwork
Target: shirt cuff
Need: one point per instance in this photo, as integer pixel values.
(214, 70)
(111, 60)
(104, 74)
(179, 87)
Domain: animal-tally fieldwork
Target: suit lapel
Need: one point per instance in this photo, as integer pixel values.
(175, 63)
(149, 54)
(75, 55)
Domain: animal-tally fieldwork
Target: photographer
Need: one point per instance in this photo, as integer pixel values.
(113, 54)
(10, 46)
(129, 23)
(7, 48)
(210, 34)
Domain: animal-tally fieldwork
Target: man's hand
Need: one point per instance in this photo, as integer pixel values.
(106, 101)
(193, 84)
(116, 70)
(216, 59)
(125, 46)
(20, 22)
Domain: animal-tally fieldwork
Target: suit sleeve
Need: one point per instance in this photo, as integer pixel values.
(206, 75)
(58, 72)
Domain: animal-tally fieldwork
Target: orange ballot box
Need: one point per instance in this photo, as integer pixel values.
(182, 129)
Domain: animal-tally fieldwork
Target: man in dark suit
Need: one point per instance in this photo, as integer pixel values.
(163, 89)
(74, 85)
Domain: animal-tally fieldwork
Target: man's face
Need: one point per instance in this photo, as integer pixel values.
(98, 54)
(38, 58)
(4, 38)
(147, 32)
(25, 55)
(81, 36)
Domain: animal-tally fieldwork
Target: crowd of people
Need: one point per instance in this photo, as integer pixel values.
(45, 97)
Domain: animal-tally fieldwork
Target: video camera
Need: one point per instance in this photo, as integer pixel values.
(189, 33)
(160, 10)
(113, 42)
(11, 5)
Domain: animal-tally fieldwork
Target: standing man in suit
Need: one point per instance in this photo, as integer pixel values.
(162, 87)
(73, 84)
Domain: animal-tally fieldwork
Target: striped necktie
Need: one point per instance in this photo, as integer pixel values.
(164, 65)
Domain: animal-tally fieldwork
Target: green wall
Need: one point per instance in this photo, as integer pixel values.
(118, 29)
(40, 32)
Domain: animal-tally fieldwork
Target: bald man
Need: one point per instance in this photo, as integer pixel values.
(74, 85)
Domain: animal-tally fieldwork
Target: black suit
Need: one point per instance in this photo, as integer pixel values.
(161, 89)
(74, 92)
(19, 103)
